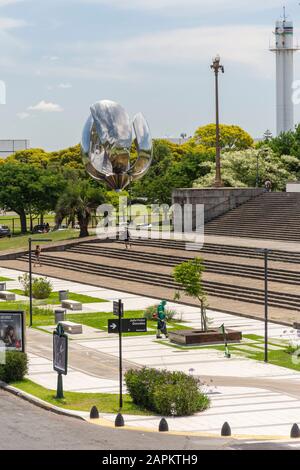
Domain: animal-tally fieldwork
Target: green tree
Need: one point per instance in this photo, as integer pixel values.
(173, 166)
(79, 199)
(189, 276)
(28, 190)
(239, 169)
(36, 156)
(231, 137)
(66, 158)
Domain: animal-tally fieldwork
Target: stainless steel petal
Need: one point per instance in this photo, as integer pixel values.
(112, 124)
(106, 143)
(144, 147)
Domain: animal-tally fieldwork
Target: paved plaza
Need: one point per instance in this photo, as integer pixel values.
(255, 398)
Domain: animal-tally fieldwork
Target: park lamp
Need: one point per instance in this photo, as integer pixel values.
(30, 241)
(216, 66)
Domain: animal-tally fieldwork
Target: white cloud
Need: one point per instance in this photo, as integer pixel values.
(46, 107)
(23, 115)
(185, 5)
(65, 86)
(246, 45)
(9, 2)
(10, 23)
(51, 58)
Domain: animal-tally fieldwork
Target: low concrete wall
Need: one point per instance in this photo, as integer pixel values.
(217, 201)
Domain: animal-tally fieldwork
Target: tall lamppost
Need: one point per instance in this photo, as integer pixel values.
(30, 241)
(217, 67)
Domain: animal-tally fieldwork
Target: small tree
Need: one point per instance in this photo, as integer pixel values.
(80, 199)
(189, 276)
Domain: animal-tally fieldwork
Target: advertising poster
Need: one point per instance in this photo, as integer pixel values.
(12, 331)
(60, 353)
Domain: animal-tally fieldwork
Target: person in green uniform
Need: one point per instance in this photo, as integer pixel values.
(161, 320)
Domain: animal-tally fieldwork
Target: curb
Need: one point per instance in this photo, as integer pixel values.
(104, 422)
(38, 402)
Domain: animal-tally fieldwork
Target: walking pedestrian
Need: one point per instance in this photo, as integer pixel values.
(161, 320)
(37, 253)
(127, 237)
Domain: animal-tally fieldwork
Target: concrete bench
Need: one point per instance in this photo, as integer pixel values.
(71, 328)
(6, 295)
(71, 304)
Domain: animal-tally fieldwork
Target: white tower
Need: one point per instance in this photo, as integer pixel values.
(284, 50)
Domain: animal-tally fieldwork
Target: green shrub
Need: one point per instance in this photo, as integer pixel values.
(41, 286)
(15, 367)
(166, 393)
(152, 310)
(24, 280)
(292, 348)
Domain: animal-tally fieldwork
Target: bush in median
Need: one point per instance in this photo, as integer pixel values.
(15, 367)
(41, 286)
(166, 393)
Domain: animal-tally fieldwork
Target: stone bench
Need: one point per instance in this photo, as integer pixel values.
(6, 295)
(71, 328)
(71, 304)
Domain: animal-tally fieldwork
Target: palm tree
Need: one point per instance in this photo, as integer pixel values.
(79, 199)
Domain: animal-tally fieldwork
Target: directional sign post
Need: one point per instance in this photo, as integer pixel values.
(129, 325)
(118, 308)
(124, 325)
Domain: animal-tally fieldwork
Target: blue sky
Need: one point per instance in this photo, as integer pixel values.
(60, 56)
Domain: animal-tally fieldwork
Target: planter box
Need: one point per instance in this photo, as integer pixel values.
(192, 337)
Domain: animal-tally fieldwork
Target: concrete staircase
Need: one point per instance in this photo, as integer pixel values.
(269, 216)
(224, 268)
(151, 261)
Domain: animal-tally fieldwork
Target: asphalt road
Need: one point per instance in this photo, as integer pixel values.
(27, 427)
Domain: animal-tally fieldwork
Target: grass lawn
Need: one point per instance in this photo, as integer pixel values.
(99, 320)
(105, 402)
(278, 357)
(21, 241)
(3, 279)
(45, 317)
(54, 298)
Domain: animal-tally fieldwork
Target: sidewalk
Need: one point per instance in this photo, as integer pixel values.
(255, 398)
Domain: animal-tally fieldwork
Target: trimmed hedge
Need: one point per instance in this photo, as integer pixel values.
(15, 367)
(166, 393)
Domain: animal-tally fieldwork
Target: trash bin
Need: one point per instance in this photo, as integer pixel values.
(63, 295)
(2, 285)
(60, 315)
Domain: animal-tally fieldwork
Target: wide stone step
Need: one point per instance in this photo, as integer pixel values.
(212, 248)
(222, 290)
(269, 216)
(253, 272)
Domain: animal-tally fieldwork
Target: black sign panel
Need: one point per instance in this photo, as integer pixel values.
(118, 309)
(12, 330)
(60, 353)
(129, 325)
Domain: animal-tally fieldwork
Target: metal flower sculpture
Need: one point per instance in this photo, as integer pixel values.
(106, 144)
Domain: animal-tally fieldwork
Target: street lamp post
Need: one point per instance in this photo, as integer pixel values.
(217, 67)
(265, 252)
(257, 170)
(263, 152)
(30, 241)
(266, 256)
